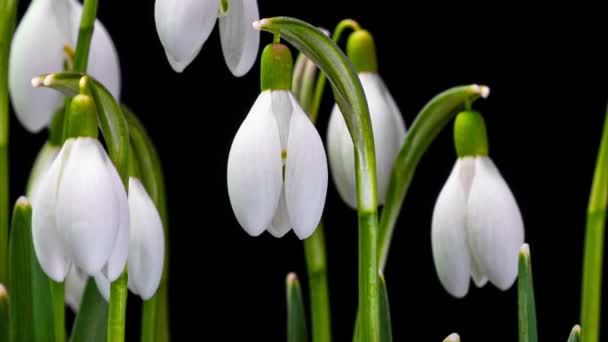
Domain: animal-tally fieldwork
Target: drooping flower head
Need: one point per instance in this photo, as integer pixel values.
(277, 168)
(38, 48)
(477, 227)
(387, 124)
(184, 25)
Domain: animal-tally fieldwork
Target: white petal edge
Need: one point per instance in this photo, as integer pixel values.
(388, 136)
(44, 27)
(448, 239)
(280, 223)
(240, 41)
(495, 228)
(103, 285)
(183, 27)
(48, 244)
(120, 252)
(254, 174)
(74, 288)
(305, 174)
(146, 243)
(341, 155)
(88, 214)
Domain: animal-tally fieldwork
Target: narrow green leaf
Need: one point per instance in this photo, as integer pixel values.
(431, 120)
(350, 97)
(3, 314)
(452, 338)
(91, 324)
(594, 244)
(22, 327)
(575, 334)
(297, 330)
(111, 120)
(386, 330)
(525, 292)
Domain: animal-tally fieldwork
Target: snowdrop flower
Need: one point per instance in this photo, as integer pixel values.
(477, 228)
(146, 245)
(38, 48)
(387, 125)
(184, 25)
(75, 283)
(277, 169)
(80, 214)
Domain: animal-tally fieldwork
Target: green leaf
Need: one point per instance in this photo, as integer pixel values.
(27, 322)
(575, 334)
(297, 330)
(350, 97)
(91, 324)
(431, 120)
(111, 120)
(594, 244)
(525, 299)
(386, 330)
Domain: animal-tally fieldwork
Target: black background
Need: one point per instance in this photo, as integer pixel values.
(546, 67)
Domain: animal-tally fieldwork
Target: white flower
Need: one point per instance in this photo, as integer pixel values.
(38, 48)
(477, 228)
(146, 245)
(80, 213)
(277, 169)
(389, 133)
(184, 25)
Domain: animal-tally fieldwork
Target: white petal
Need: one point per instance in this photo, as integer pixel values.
(280, 223)
(37, 48)
(342, 158)
(389, 132)
(255, 169)
(74, 288)
(103, 285)
(147, 242)
(43, 163)
(282, 109)
(305, 174)
(183, 27)
(397, 116)
(450, 251)
(495, 228)
(118, 259)
(479, 278)
(48, 243)
(88, 213)
(240, 41)
(103, 63)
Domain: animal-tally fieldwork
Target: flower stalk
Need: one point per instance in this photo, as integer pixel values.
(594, 245)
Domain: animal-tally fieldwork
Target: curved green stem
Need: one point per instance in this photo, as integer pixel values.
(314, 249)
(8, 15)
(350, 97)
(321, 81)
(594, 244)
(85, 33)
(429, 122)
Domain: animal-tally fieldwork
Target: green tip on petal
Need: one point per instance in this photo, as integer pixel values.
(470, 136)
(276, 67)
(83, 117)
(361, 50)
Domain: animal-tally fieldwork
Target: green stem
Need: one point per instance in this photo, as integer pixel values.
(314, 248)
(429, 122)
(8, 15)
(350, 97)
(594, 245)
(322, 80)
(525, 297)
(85, 33)
(118, 309)
(58, 298)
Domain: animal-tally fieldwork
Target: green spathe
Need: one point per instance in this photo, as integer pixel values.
(361, 50)
(470, 136)
(276, 67)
